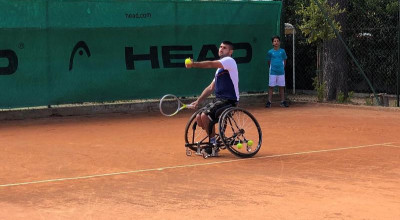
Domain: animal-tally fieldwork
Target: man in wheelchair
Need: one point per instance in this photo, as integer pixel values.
(225, 85)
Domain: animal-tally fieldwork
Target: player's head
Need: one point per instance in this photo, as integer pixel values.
(276, 41)
(225, 49)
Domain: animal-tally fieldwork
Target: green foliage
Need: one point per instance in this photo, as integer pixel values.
(320, 88)
(395, 103)
(350, 95)
(314, 24)
(378, 13)
(370, 31)
(341, 98)
(368, 101)
(392, 7)
(290, 11)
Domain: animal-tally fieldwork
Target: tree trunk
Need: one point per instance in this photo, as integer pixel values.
(335, 60)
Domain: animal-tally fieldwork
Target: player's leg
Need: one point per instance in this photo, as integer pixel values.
(211, 116)
(282, 93)
(195, 136)
(206, 123)
(199, 117)
(205, 120)
(281, 83)
(272, 83)
(199, 120)
(270, 93)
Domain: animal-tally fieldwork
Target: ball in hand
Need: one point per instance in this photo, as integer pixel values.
(188, 61)
(250, 143)
(239, 146)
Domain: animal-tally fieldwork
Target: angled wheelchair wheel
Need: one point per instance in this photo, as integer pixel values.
(195, 136)
(240, 132)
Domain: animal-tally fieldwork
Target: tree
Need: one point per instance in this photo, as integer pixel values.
(335, 63)
(317, 29)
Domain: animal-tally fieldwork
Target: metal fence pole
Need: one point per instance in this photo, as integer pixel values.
(398, 56)
(294, 60)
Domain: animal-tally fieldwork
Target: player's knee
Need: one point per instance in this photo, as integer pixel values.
(204, 118)
(199, 122)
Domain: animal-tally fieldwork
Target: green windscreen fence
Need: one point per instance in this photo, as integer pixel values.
(60, 52)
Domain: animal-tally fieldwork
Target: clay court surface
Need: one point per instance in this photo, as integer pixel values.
(316, 162)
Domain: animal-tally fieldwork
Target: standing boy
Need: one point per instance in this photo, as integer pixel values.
(276, 58)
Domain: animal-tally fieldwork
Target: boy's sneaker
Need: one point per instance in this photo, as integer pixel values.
(284, 104)
(268, 105)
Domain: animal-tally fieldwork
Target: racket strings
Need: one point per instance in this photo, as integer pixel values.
(169, 105)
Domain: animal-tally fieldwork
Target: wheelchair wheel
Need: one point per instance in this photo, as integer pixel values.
(240, 132)
(194, 135)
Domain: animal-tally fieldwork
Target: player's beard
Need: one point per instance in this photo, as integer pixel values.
(223, 55)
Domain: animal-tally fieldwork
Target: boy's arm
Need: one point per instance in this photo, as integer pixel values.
(269, 59)
(284, 56)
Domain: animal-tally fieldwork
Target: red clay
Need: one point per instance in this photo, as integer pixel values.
(357, 177)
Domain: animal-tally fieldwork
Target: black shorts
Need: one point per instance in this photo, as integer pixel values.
(214, 109)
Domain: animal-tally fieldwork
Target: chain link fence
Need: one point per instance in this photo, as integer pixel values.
(372, 35)
(371, 32)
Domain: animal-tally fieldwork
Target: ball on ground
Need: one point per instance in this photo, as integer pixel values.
(250, 143)
(239, 146)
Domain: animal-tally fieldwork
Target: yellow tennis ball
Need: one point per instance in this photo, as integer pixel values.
(239, 146)
(250, 143)
(188, 61)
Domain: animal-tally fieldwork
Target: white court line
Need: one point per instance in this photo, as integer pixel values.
(391, 145)
(190, 165)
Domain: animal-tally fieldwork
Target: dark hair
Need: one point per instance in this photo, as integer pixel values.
(226, 42)
(275, 37)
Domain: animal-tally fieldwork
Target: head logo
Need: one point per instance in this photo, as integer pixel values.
(80, 45)
(171, 53)
(12, 62)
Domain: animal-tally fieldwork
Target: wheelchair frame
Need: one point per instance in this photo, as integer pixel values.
(232, 132)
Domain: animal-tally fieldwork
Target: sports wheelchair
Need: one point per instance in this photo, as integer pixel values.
(239, 132)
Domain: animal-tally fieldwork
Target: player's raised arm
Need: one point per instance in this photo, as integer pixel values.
(204, 64)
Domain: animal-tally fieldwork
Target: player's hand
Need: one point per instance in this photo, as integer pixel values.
(194, 105)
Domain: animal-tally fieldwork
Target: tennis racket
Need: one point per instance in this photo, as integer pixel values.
(170, 105)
